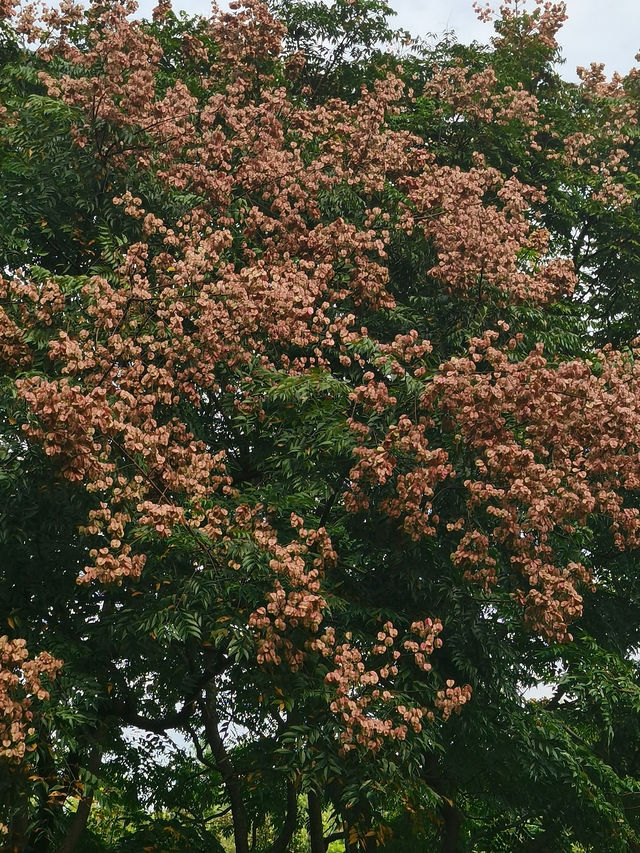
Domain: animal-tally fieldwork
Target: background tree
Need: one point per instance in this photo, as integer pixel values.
(320, 440)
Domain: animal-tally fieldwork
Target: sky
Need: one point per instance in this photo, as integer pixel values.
(597, 30)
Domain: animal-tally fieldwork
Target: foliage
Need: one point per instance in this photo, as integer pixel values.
(319, 423)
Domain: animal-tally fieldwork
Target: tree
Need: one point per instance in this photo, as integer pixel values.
(321, 441)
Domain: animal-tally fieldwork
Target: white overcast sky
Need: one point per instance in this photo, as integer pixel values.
(597, 30)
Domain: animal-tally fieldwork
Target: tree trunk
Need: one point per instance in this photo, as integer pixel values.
(348, 847)
(316, 829)
(451, 816)
(18, 825)
(369, 844)
(79, 821)
(541, 843)
(77, 826)
(359, 827)
(227, 770)
(16, 810)
(451, 830)
(281, 843)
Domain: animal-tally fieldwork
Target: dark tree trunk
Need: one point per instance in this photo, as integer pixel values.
(283, 840)
(369, 844)
(227, 770)
(77, 826)
(348, 846)
(316, 829)
(79, 821)
(358, 828)
(451, 816)
(451, 830)
(543, 843)
(17, 838)
(81, 817)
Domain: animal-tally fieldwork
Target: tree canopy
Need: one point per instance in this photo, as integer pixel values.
(320, 404)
